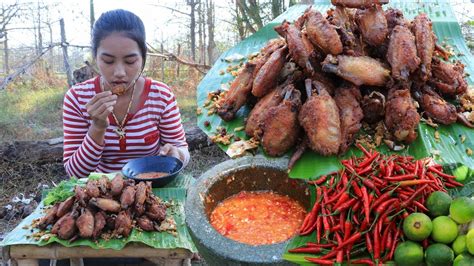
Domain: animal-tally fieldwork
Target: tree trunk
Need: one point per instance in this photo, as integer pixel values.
(244, 10)
(6, 53)
(192, 14)
(91, 14)
(211, 47)
(40, 36)
(239, 20)
(177, 64)
(276, 8)
(65, 56)
(200, 32)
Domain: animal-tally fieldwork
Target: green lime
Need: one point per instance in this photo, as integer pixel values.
(439, 254)
(438, 203)
(470, 241)
(459, 245)
(462, 210)
(445, 230)
(461, 173)
(464, 259)
(417, 226)
(409, 253)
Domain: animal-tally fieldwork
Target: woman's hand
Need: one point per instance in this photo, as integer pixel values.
(171, 150)
(99, 108)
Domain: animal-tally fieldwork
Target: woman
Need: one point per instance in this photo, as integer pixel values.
(104, 130)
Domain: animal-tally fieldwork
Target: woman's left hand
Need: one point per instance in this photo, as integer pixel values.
(170, 150)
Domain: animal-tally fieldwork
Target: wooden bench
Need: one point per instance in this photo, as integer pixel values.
(29, 255)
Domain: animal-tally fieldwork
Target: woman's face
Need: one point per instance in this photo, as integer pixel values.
(119, 59)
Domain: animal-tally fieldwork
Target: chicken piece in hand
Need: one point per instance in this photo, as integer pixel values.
(319, 116)
(425, 41)
(347, 98)
(402, 55)
(296, 47)
(401, 116)
(281, 128)
(373, 25)
(321, 33)
(267, 77)
(448, 78)
(358, 3)
(238, 93)
(361, 70)
(435, 106)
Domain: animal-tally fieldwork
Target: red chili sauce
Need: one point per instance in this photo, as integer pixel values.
(258, 218)
(151, 175)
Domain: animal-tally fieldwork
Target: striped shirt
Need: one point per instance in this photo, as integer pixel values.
(157, 122)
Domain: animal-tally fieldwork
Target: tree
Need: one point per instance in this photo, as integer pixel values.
(7, 13)
(192, 14)
(91, 12)
(211, 20)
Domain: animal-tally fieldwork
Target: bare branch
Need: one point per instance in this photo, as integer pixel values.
(173, 9)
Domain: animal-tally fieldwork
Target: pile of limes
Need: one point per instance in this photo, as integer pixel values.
(442, 230)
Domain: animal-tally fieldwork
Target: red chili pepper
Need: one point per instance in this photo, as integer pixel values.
(326, 226)
(345, 205)
(364, 170)
(390, 239)
(368, 160)
(414, 182)
(363, 261)
(327, 245)
(335, 197)
(311, 250)
(376, 242)
(319, 181)
(367, 154)
(357, 206)
(384, 206)
(413, 196)
(420, 206)
(342, 199)
(371, 185)
(400, 177)
(384, 238)
(455, 183)
(340, 256)
(319, 261)
(382, 198)
(368, 242)
(425, 243)
(365, 201)
(350, 240)
(434, 170)
(319, 223)
(356, 189)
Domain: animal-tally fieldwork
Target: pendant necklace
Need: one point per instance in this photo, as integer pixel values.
(120, 130)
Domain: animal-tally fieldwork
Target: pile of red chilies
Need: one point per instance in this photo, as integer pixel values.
(360, 208)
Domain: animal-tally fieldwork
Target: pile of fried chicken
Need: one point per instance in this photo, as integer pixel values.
(104, 206)
(327, 74)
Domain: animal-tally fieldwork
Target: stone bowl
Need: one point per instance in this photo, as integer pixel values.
(254, 173)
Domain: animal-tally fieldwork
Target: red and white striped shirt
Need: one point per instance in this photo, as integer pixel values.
(157, 122)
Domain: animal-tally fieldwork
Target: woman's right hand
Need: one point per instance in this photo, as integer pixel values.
(99, 108)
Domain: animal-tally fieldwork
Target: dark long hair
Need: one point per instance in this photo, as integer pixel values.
(123, 21)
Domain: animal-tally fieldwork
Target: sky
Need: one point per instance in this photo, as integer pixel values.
(161, 24)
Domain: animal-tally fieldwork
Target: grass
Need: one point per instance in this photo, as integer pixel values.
(27, 114)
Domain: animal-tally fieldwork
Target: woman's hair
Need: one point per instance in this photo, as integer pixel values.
(123, 21)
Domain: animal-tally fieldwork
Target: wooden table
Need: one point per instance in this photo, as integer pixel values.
(26, 255)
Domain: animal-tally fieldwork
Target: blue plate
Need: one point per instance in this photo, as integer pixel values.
(166, 164)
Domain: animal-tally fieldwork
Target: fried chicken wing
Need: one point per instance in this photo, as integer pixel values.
(448, 78)
(108, 205)
(319, 116)
(321, 33)
(401, 117)
(99, 224)
(373, 25)
(267, 77)
(238, 93)
(358, 3)
(436, 107)
(361, 70)
(123, 224)
(401, 54)
(295, 44)
(281, 128)
(347, 99)
(425, 43)
(85, 223)
(259, 111)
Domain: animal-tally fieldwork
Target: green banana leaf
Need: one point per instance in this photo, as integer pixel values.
(175, 195)
(448, 149)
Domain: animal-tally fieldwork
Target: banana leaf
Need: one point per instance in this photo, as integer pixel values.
(448, 149)
(22, 234)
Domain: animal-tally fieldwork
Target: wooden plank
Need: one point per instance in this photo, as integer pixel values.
(27, 262)
(76, 262)
(57, 251)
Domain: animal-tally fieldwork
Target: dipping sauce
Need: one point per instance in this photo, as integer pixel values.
(150, 175)
(258, 218)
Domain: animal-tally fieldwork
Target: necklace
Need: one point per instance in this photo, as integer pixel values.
(120, 130)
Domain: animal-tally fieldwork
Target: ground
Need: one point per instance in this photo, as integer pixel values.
(25, 181)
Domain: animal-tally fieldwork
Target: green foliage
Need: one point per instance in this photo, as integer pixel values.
(61, 192)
